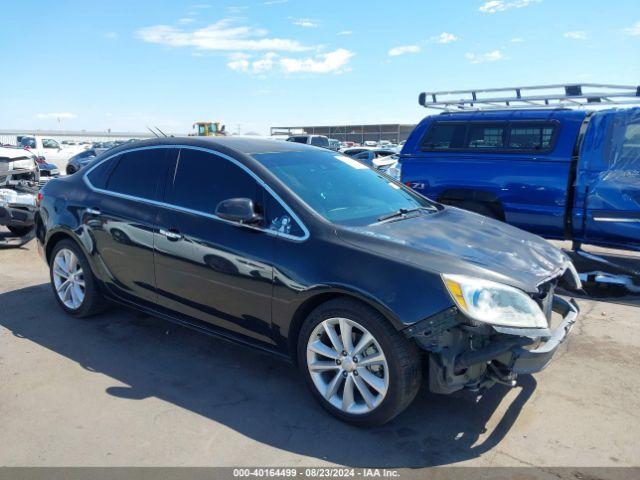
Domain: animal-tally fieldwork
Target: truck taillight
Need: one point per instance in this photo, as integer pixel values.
(39, 198)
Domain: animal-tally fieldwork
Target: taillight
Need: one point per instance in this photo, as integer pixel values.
(39, 198)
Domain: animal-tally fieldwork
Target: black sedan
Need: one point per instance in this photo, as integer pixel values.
(313, 256)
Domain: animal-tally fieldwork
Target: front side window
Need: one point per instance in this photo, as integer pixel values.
(530, 136)
(297, 139)
(340, 188)
(138, 173)
(28, 142)
(278, 219)
(202, 180)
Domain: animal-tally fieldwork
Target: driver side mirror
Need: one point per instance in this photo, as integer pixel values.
(239, 210)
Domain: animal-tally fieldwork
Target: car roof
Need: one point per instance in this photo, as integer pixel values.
(237, 144)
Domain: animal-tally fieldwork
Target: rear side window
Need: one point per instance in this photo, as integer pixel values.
(202, 180)
(99, 175)
(443, 136)
(491, 137)
(297, 139)
(486, 136)
(530, 136)
(138, 173)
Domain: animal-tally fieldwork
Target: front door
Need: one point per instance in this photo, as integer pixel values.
(207, 268)
(607, 208)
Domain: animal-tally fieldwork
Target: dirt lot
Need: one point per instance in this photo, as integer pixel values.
(128, 389)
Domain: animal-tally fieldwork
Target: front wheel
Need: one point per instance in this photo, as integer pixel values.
(356, 364)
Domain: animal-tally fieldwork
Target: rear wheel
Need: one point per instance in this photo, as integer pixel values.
(19, 231)
(73, 282)
(356, 364)
(70, 170)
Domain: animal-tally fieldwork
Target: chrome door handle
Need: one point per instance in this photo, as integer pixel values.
(92, 211)
(173, 236)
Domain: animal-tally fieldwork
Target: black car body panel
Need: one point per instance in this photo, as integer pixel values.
(256, 285)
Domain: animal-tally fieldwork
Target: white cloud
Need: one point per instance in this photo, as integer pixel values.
(494, 6)
(222, 36)
(275, 2)
(345, 32)
(444, 37)
(634, 30)
(576, 35)
(57, 115)
(330, 62)
(186, 20)
(403, 49)
(111, 35)
(517, 40)
(305, 22)
(493, 56)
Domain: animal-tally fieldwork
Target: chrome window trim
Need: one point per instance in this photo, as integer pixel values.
(616, 219)
(261, 182)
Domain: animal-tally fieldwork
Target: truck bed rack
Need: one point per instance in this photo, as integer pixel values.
(532, 97)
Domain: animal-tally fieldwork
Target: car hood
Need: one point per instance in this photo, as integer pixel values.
(455, 241)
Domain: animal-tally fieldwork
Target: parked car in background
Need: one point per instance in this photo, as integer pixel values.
(49, 149)
(262, 254)
(19, 183)
(315, 140)
(80, 160)
(334, 144)
(559, 173)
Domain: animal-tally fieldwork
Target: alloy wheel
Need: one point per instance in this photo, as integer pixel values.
(68, 279)
(347, 365)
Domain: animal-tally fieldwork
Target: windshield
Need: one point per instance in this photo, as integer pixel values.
(339, 188)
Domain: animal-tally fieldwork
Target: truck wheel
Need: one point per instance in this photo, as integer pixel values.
(356, 364)
(73, 283)
(20, 231)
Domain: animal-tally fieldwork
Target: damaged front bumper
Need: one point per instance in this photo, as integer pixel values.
(466, 356)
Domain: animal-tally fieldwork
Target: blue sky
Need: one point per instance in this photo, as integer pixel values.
(259, 63)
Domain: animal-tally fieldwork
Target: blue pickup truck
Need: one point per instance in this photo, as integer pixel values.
(560, 173)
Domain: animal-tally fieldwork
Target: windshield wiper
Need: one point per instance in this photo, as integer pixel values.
(401, 212)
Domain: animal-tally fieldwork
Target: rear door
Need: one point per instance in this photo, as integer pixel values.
(207, 268)
(122, 218)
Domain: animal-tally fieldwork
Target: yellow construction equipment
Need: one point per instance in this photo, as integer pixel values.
(209, 129)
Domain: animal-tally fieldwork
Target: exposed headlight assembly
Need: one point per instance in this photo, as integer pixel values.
(494, 303)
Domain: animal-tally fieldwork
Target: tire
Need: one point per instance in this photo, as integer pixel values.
(92, 301)
(20, 231)
(70, 170)
(399, 377)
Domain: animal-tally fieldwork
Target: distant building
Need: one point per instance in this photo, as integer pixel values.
(393, 132)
